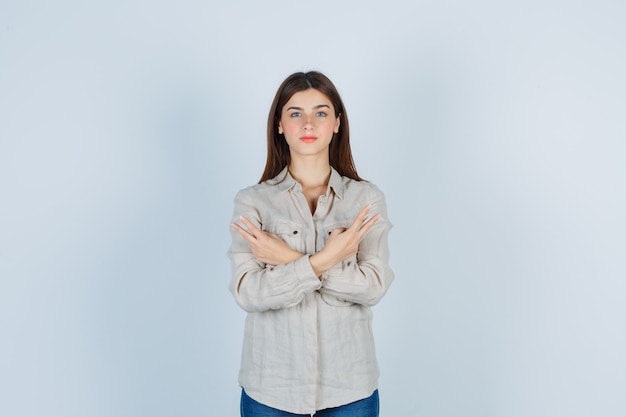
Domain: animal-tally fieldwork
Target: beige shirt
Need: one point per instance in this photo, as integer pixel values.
(308, 344)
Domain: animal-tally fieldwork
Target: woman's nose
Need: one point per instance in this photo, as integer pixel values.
(308, 122)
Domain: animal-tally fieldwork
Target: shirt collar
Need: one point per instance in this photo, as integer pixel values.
(336, 183)
(284, 181)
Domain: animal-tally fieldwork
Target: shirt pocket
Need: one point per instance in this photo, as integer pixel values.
(289, 231)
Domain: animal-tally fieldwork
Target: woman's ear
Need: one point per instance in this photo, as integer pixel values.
(280, 129)
(337, 123)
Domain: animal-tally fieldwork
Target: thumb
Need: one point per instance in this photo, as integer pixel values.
(338, 231)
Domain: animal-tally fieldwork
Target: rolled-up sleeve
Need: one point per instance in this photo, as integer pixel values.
(257, 286)
(364, 278)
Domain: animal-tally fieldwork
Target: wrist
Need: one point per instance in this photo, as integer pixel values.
(294, 256)
(320, 263)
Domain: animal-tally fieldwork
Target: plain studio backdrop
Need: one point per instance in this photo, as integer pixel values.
(497, 131)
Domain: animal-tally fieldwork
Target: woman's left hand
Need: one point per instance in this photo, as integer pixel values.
(266, 247)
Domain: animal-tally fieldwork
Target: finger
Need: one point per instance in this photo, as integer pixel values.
(252, 229)
(368, 225)
(360, 217)
(243, 232)
(337, 231)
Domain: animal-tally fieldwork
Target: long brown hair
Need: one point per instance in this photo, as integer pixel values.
(278, 157)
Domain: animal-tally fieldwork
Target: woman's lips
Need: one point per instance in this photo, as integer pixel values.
(308, 139)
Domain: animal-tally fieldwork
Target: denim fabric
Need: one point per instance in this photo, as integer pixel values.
(367, 407)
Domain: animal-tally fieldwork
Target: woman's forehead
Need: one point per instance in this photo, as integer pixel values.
(309, 98)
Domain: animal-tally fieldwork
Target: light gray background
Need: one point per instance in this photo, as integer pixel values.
(496, 129)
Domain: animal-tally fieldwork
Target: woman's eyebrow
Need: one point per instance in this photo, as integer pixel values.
(319, 106)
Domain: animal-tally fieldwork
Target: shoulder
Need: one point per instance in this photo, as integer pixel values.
(256, 191)
(355, 188)
(266, 194)
(281, 182)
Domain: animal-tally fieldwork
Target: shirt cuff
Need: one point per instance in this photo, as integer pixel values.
(305, 273)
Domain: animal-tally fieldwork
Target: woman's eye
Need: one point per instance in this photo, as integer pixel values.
(321, 114)
(295, 114)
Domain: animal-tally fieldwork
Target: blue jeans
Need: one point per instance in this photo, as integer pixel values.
(367, 407)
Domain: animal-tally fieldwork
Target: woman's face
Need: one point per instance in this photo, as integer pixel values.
(308, 122)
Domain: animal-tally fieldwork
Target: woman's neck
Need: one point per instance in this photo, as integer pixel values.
(310, 173)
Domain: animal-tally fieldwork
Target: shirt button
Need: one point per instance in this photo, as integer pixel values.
(295, 232)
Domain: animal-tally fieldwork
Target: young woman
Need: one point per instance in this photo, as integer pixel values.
(309, 258)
